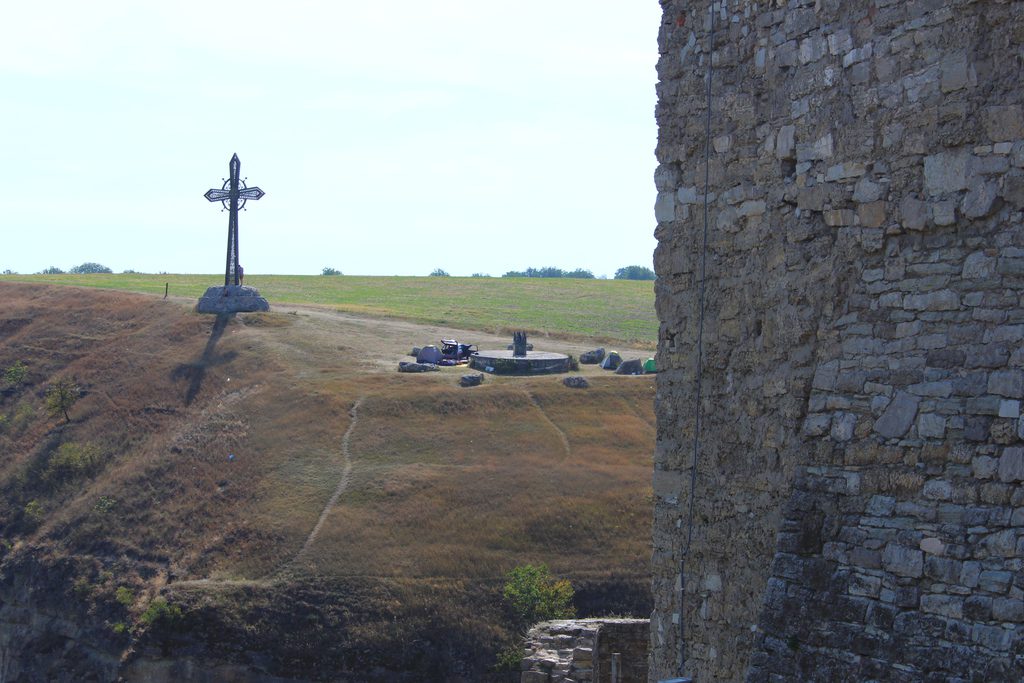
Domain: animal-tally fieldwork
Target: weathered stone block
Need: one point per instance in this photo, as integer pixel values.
(752, 208)
(956, 74)
(903, 561)
(978, 265)
(913, 213)
(995, 581)
(818, 150)
(1009, 383)
(1013, 188)
(1008, 609)
(970, 574)
(931, 426)
(1011, 464)
(668, 484)
(817, 424)
(665, 207)
(978, 608)
(935, 389)
(845, 171)
(687, 195)
(945, 605)
(984, 467)
(945, 172)
(942, 300)
(839, 217)
(872, 214)
(937, 489)
(864, 585)
(898, 416)
(980, 199)
(1005, 122)
(944, 213)
(881, 506)
(993, 637)
(1002, 543)
(785, 142)
(840, 42)
(843, 425)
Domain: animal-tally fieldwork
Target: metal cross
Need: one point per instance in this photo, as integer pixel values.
(233, 195)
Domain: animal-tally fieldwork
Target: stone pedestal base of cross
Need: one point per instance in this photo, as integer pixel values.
(233, 297)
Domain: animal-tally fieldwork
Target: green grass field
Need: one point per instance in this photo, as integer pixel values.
(601, 310)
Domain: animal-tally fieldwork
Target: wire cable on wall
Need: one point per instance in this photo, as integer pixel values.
(700, 349)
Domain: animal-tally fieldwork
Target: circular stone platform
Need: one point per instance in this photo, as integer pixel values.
(502, 362)
(232, 299)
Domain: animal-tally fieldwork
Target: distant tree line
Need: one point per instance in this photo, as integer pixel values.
(634, 273)
(550, 271)
(85, 268)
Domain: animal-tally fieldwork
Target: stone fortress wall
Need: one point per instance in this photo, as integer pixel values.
(859, 512)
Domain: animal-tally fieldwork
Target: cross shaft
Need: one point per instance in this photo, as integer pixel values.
(233, 195)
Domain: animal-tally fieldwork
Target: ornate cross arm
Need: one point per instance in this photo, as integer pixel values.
(243, 194)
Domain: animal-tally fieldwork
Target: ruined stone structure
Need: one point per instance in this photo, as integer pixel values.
(859, 513)
(587, 651)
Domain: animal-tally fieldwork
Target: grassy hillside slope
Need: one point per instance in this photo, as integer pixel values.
(301, 507)
(608, 311)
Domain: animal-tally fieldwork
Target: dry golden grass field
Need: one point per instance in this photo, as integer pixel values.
(278, 482)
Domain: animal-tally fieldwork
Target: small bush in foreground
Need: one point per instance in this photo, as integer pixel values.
(510, 658)
(534, 595)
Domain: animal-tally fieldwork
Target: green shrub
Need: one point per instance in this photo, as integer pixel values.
(82, 588)
(534, 595)
(105, 504)
(15, 375)
(24, 412)
(72, 461)
(34, 512)
(119, 628)
(330, 271)
(159, 612)
(510, 658)
(124, 596)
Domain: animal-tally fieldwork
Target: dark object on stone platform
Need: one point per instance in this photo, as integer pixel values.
(519, 344)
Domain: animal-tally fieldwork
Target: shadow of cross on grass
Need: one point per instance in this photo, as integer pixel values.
(194, 372)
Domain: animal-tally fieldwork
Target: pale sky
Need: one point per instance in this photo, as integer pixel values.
(391, 138)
